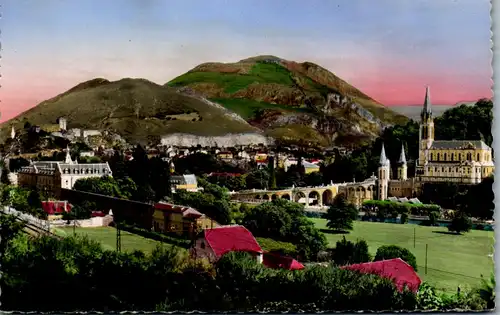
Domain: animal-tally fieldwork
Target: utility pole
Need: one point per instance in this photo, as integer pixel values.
(414, 232)
(426, 247)
(118, 238)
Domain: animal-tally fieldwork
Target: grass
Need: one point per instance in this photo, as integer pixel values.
(107, 237)
(232, 83)
(246, 108)
(129, 107)
(452, 260)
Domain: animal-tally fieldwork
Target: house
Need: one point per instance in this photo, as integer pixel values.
(87, 154)
(214, 243)
(184, 182)
(396, 269)
(169, 218)
(56, 207)
(310, 167)
(225, 155)
(276, 261)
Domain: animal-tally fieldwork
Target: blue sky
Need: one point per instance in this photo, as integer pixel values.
(389, 49)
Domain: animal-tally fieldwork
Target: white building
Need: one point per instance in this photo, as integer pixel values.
(51, 176)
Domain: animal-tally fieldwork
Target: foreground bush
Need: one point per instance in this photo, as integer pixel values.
(393, 251)
(76, 274)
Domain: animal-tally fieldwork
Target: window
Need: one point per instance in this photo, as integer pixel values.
(452, 157)
(202, 245)
(438, 156)
(444, 159)
(477, 157)
(460, 156)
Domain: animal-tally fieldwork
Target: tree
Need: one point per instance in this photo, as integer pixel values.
(160, 178)
(284, 220)
(347, 252)
(272, 173)
(105, 185)
(341, 214)
(257, 179)
(460, 223)
(392, 251)
(4, 175)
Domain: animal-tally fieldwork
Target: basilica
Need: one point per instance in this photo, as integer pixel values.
(465, 162)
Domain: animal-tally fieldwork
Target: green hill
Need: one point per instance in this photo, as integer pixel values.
(273, 93)
(137, 109)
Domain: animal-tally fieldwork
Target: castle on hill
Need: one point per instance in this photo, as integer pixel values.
(465, 162)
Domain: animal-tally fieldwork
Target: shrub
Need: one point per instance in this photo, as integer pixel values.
(347, 252)
(460, 223)
(392, 251)
(271, 245)
(404, 218)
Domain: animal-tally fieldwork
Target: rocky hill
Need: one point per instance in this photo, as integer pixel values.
(290, 100)
(136, 109)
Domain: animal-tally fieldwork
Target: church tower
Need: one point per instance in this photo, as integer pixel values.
(402, 166)
(383, 175)
(426, 133)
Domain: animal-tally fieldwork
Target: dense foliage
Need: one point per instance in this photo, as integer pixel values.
(283, 220)
(347, 252)
(213, 201)
(383, 209)
(341, 214)
(460, 223)
(393, 251)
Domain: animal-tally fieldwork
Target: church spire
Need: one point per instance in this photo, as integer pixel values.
(427, 101)
(383, 158)
(402, 156)
(68, 156)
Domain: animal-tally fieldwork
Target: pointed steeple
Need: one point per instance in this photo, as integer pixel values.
(402, 156)
(383, 158)
(427, 101)
(68, 156)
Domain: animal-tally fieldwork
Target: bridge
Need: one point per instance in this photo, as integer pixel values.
(355, 192)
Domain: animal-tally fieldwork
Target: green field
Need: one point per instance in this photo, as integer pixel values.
(107, 237)
(232, 83)
(452, 260)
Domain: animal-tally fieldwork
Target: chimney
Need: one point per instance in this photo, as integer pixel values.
(260, 258)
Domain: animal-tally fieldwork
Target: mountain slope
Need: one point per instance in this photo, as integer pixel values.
(273, 94)
(134, 108)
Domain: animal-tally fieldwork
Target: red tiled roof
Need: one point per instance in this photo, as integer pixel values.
(276, 261)
(396, 269)
(51, 207)
(231, 238)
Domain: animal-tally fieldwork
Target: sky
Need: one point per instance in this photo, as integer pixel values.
(389, 49)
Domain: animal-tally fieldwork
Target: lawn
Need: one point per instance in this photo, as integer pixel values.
(452, 260)
(107, 237)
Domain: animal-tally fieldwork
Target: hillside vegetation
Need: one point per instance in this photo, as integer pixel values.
(137, 109)
(262, 87)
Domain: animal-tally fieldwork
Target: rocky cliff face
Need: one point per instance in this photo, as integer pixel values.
(230, 140)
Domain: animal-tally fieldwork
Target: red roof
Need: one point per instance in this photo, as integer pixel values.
(51, 207)
(186, 211)
(276, 261)
(226, 239)
(396, 269)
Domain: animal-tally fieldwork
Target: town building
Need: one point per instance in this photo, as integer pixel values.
(465, 162)
(181, 220)
(184, 182)
(51, 176)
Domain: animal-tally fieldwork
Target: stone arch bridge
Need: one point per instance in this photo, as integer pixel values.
(355, 192)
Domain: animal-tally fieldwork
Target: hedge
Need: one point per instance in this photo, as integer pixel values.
(171, 239)
(285, 248)
(390, 207)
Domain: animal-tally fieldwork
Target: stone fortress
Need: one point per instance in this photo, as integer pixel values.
(465, 162)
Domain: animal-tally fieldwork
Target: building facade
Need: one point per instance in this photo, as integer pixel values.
(465, 162)
(51, 176)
